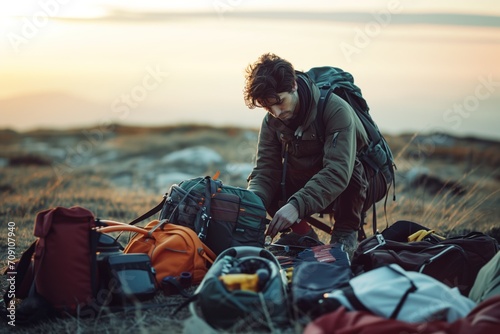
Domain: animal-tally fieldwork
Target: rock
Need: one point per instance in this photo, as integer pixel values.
(165, 181)
(419, 177)
(123, 179)
(416, 172)
(199, 156)
(239, 170)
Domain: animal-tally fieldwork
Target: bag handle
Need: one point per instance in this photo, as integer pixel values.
(112, 222)
(122, 227)
(246, 251)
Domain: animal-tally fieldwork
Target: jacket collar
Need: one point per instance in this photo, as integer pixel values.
(310, 112)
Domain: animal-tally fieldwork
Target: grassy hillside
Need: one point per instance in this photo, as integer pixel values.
(446, 183)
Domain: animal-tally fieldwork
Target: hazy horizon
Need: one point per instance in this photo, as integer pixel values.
(422, 67)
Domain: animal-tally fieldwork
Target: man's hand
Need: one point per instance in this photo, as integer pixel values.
(283, 219)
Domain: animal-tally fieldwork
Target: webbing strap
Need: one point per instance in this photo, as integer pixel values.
(151, 212)
(283, 173)
(374, 221)
(205, 211)
(385, 202)
(20, 271)
(398, 308)
(174, 285)
(354, 300)
(319, 224)
(411, 289)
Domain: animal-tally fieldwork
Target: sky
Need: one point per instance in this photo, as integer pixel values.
(423, 66)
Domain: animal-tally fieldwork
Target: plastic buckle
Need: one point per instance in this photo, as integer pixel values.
(380, 239)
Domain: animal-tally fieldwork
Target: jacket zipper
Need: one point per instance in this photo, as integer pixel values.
(334, 140)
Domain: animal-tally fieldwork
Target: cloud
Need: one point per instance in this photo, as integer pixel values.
(442, 19)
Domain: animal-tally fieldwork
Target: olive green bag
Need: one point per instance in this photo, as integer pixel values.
(223, 216)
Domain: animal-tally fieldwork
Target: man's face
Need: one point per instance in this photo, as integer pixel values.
(284, 108)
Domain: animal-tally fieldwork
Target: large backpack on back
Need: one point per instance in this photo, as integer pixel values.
(378, 154)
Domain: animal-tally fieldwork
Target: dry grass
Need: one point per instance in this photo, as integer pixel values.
(28, 188)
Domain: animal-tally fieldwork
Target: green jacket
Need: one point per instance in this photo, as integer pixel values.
(326, 163)
(487, 283)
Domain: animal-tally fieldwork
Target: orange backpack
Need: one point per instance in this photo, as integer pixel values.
(173, 249)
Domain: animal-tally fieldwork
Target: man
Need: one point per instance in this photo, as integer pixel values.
(322, 174)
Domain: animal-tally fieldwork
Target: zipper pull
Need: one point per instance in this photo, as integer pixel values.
(299, 132)
(334, 140)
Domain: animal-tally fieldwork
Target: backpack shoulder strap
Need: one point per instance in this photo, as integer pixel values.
(365, 118)
(19, 272)
(325, 93)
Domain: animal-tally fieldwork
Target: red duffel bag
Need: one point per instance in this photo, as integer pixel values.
(483, 319)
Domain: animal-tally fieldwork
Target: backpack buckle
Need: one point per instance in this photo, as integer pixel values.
(380, 239)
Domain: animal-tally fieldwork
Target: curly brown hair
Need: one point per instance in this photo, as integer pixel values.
(266, 78)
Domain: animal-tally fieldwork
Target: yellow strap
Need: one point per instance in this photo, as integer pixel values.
(420, 235)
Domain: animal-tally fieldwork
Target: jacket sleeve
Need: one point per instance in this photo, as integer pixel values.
(338, 160)
(266, 175)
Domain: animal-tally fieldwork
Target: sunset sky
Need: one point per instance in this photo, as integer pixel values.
(422, 65)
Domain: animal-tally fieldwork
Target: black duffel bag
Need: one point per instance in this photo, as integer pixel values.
(454, 261)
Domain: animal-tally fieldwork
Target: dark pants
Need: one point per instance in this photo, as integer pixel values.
(350, 206)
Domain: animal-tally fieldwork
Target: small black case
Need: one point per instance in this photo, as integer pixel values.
(131, 277)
